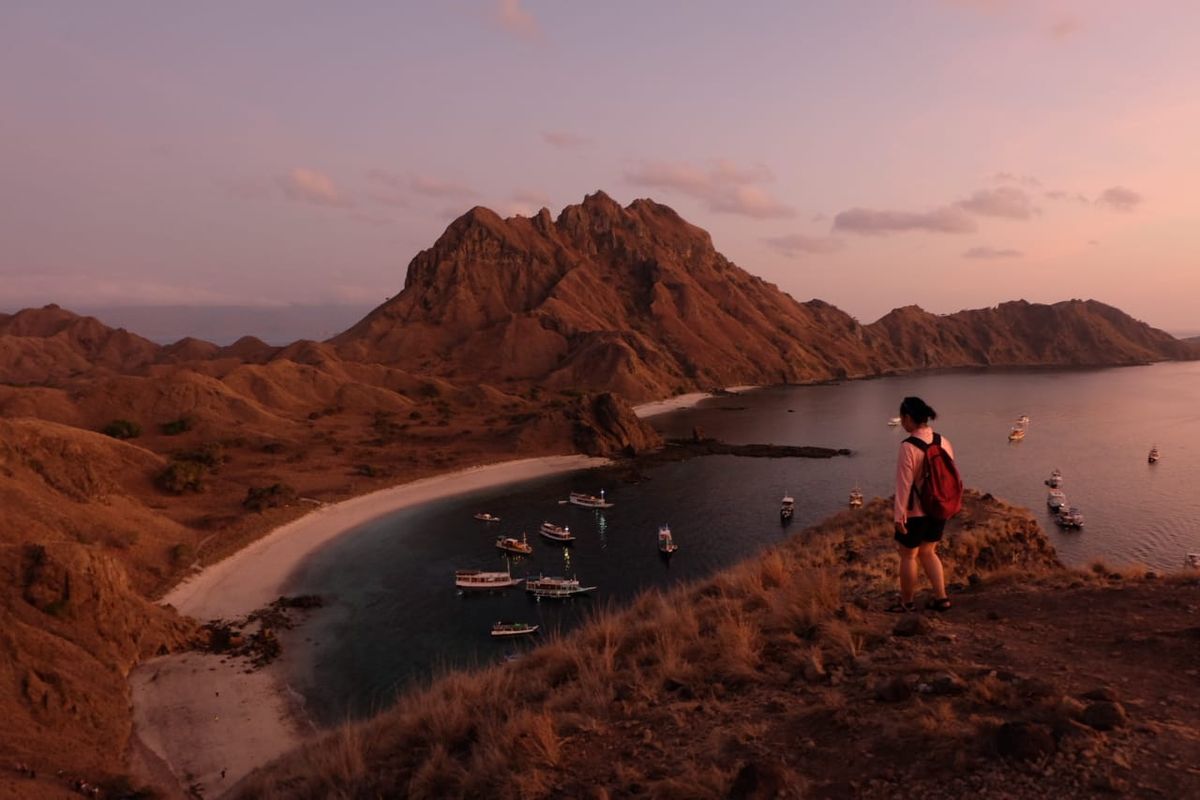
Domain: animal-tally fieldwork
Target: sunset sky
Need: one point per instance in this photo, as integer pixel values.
(948, 153)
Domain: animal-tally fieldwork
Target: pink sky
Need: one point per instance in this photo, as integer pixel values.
(950, 153)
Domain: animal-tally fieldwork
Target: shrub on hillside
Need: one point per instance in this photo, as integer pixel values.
(178, 426)
(182, 476)
(122, 429)
(211, 455)
(260, 498)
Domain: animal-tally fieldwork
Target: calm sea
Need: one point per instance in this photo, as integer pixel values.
(395, 615)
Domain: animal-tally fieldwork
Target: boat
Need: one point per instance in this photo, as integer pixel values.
(856, 497)
(1192, 560)
(483, 516)
(1055, 480)
(1016, 434)
(1069, 518)
(513, 629)
(556, 588)
(556, 533)
(589, 500)
(1056, 499)
(893, 422)
(1023, 419)
(666, 545)
(1153, 457)
(479, 579)
(510, 545)
(787, 507)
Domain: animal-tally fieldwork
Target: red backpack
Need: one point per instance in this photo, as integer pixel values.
(940, 488)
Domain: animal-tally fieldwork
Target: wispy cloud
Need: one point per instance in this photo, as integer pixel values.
(309, 186)
(797, 244)
(565, 139)
(722, 186)
(516, 19)
(1064, 27)
(1119, 198)
(1027, 181)
(871, 222)
(394, 188)
(1058, 194)
(1009, 202)
(992, 253)
(526, 202)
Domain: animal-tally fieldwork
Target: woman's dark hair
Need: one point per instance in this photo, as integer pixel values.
(917, 409)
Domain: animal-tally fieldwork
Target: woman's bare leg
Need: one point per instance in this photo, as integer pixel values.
(908, 572)
(933, 568)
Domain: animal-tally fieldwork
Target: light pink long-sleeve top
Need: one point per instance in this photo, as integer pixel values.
(908, 466)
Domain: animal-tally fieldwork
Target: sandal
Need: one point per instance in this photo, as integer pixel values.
(939, 604)
(900, 607)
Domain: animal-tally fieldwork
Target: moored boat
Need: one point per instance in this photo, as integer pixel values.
(556, 588)
(1192, 560)
(1069, 518)
(513, 629)
(479, 579)
(787, 508)
(589, 500)
(483, 516)
(1023, 419)
(1016, 434)
(556, 533)
(666, 544)
(893, 422)
(1056, 499)
(1153, 457)
(511, 545)
(856, 498)
(1055, 479)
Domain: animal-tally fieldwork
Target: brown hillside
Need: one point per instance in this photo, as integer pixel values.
(637, 301)
(782, 677)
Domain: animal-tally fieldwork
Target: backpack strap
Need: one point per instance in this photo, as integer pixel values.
(921, 444)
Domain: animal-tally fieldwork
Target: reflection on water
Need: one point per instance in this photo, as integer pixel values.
(395, 616)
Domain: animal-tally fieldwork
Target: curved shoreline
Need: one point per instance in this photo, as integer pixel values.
(208, 717)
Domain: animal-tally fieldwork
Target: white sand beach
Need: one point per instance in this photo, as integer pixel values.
(682, 401)
(210, 718)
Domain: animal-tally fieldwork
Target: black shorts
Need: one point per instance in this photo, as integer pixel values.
(920, 531)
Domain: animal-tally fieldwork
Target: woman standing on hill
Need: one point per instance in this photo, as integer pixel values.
(917, 533)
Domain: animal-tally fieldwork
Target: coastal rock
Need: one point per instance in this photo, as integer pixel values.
(1024, 741)
(1104, 715)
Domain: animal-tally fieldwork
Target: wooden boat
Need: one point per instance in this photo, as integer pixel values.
(1192, 560)
(1153, 457)
(589, 500)
(893, 422)
(556, 533)
(520, 546)
(856, 498)
(555, 588)
(474, 579)
(513, 629)
(1055, 479)
(1023, 419)
(1056, 499)
(787, 508)
(666, 545)
(483, 516)
(1069, 518)
(1016, 434)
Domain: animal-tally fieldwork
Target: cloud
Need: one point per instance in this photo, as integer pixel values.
(565, 139)
(870, 222)
(370, 219)
(1064, 27)
(309, 186)
(722, 186)
(1022, 180)
(1119, 198)
(395, 188)
(797, 244)
(1005, 201)
(435, 187)
(88, 289)
(1058, 194)
(516, 20)
(526, 203)
(992, 253)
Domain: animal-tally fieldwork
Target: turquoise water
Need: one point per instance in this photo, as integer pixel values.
(396, 617)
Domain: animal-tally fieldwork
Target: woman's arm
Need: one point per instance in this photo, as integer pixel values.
(906, 467)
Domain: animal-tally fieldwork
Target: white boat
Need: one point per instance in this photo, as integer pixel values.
(1023, 419)
(787, 507)
(1016, 434)
(589, 500)
(1153, 457)
(483, 516)
(1069, 518)
(513, 629)
(478, 579)
(556, 533)
(1192, 560)
(1056, 499)
(557, 588)
(1055, 479)
(511, 545)
(666, 545)
(856, 497)
(893, 422)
